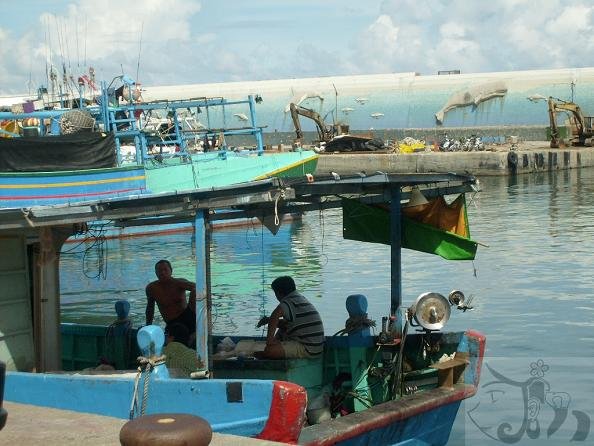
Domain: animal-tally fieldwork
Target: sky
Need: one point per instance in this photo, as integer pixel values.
(167, 42)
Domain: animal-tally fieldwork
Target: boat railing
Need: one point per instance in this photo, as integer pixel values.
(133, 122)
(177, 134)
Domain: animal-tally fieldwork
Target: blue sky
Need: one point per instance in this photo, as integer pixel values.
(183, 41)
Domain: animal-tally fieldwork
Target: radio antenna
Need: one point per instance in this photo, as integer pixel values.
(139, 50)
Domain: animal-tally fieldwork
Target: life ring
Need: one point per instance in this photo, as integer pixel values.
(512, 160)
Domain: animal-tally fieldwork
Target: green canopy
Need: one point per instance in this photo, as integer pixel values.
(372, 224)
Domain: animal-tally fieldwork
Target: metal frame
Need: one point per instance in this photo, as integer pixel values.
(257, 198)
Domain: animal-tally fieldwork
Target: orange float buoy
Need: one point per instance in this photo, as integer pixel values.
(30, 122)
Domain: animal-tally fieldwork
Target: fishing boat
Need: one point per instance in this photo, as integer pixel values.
(118, 146)
(397, 387)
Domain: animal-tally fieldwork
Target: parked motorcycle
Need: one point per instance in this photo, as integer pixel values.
(449, 145)
(473, 143)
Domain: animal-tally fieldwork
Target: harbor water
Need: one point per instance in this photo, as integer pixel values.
(531, 285)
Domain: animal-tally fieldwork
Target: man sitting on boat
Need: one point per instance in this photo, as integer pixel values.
(170, 295)
(295, 328)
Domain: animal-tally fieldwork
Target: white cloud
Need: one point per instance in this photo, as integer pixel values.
(384, 31)
(452, 30)
(83, 37)
(262, 43)
(478, 36)
(205, 38)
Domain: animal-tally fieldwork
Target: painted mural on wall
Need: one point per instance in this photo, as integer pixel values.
(406, 100)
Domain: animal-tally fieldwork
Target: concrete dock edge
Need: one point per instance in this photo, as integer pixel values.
(502, 161)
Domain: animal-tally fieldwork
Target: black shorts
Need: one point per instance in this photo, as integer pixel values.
(187, 318)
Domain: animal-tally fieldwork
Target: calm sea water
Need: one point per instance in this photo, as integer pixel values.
(532, 289)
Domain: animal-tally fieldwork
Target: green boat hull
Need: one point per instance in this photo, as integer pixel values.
(218, 169)
(206, 170)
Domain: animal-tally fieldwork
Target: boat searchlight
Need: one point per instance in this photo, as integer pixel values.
(431, 311)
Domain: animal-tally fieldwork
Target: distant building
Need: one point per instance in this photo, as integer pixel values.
(440, 72)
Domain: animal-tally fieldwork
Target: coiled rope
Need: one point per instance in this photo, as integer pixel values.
(149, 364)
(355, 323)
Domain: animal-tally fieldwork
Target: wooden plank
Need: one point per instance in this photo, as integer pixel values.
(448, 364)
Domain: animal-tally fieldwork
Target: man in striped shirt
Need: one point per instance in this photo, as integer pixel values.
(295, 328)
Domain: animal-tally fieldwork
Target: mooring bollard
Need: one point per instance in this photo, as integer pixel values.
(167, 429)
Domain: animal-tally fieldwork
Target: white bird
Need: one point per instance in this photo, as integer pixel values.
(376, 115)
(335, 176)
(241, 116)
(297, 100)
(347, 110)
(536, 97)
(362, 101)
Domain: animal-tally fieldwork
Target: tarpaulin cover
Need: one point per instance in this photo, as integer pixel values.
(77, 151)
(372, 224)
(448, 217)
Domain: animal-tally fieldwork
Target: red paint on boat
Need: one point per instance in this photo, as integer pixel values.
(287, 413)
(481, 339)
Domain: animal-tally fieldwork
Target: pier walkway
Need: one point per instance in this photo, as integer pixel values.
(31, 425)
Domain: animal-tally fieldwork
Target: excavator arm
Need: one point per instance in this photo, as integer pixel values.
(576, 117)
(325, 133)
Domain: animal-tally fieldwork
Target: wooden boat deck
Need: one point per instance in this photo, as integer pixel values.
(27, 424)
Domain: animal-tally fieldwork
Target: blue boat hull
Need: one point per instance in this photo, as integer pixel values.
(112, 397)
(429, 428)
(423, 418)
(52, 188)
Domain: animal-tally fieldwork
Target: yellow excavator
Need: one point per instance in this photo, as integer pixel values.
(325, 132)
(581, 127)
(336, 137)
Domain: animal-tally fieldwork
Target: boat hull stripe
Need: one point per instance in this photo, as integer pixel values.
(90, 194)
(73, 183)
(286, 168)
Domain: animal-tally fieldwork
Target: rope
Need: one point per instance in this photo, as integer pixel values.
(355, 323)
(262, 277)
(149, 364)
(398, 370)
(276, 217)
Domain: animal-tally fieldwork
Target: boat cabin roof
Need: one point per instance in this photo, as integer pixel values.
(258, 198)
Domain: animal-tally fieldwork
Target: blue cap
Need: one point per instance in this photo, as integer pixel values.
(122, 308)
(356, 305)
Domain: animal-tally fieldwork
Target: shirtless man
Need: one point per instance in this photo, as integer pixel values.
(170, 295)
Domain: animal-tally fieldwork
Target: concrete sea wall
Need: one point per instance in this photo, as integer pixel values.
(496, 162)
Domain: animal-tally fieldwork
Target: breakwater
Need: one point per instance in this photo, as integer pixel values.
(489, 134)
(501, 160)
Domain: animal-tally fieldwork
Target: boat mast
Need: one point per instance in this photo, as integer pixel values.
(395, 257)
(202, 310)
